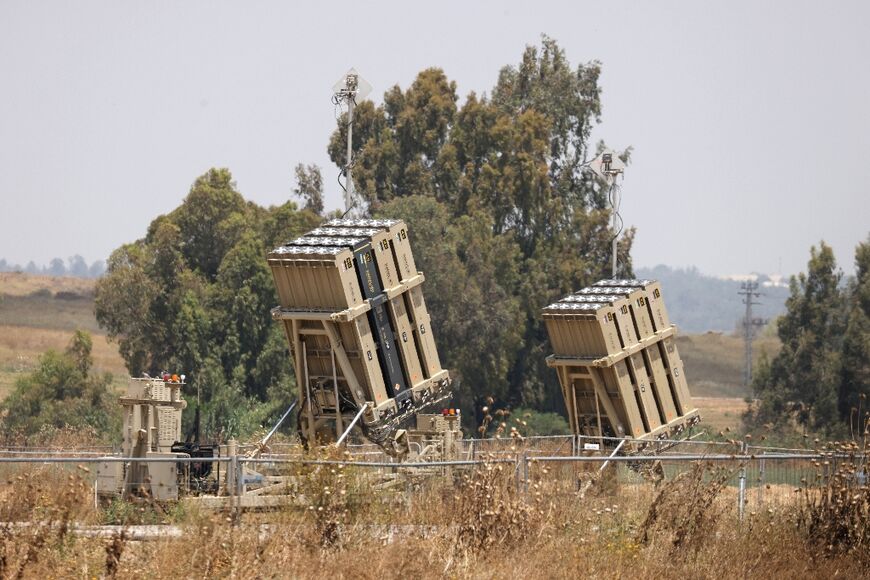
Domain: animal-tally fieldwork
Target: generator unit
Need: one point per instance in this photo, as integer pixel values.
(352, 308)
(152, 426)
(617, 362)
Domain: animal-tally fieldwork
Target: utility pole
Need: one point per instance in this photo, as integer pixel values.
(749, 291)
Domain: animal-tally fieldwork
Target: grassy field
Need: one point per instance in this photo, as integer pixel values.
(478, 524)
(38, 313)
(719, 413)
(20, 284)
(714, 367)
(714, 362)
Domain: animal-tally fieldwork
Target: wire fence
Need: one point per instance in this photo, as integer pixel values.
(757, 477)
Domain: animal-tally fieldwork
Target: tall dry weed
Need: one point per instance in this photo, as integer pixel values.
(54, 438)
(685, 513)
(490, 513)
(835, 517)
(332, 495)
(37, 514)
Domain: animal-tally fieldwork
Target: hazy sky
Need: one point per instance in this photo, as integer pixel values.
(749, 120)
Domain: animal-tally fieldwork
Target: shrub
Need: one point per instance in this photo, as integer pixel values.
(61, 392)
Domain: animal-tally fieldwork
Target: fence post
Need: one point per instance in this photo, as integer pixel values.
(232, 472)
(741, 496)
(761, 483)
(525, 473)
(234, 479)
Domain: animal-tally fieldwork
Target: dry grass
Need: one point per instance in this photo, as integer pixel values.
(38, 510)
(50, 312)
(714, 362)
(21, 284)
(470, 525)
(38, 313)
(684, 515)
(836, 517)
(719, 413)
(581, 538)
(476, 525)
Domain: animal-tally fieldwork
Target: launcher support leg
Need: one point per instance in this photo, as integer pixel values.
(312, 428)
(339, 427)
(609, 409)
(343, 362)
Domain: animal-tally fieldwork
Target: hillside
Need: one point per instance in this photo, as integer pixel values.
(38, 313)
(699, 303)
(714, 367)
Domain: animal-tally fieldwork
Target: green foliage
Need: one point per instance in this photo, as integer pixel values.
(60, 393)
(120, 512)
(821, 376)
(309, 187)
(855, 385)
(193, 296)
(471, 275)
(802, 381)
(504, 219)
(530, 422)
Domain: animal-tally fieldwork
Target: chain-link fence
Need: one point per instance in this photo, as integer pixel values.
(629, 472)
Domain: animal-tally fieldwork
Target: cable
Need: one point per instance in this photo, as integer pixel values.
(352, 205)
(615, 203)
(338, 111)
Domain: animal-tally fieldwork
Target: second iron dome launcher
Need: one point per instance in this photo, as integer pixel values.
(617, 361)
(352, 307)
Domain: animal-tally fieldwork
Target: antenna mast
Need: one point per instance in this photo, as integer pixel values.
(348, 88)
(608, 166)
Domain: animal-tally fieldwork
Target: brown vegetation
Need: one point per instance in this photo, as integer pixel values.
(836, 518)
(719, 413)
(21, 347)
(474, 525)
